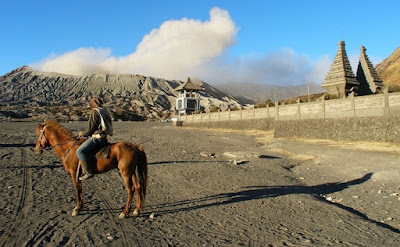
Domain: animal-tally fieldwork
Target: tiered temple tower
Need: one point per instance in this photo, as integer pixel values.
(370, 81)
(340, 79)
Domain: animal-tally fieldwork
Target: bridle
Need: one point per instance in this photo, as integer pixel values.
(42, 135)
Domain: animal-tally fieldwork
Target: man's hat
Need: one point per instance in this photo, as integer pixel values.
(95, 102)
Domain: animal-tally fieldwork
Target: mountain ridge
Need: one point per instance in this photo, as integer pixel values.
(129, 97)
(389, 69)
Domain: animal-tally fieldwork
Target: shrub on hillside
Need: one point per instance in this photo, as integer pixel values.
(260, 105)
(235, 108)
(266, 103)
(269, 102)
(394, 88)
(214, 108)
(331, 96)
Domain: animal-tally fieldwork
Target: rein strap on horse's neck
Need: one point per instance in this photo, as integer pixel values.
(73, 144)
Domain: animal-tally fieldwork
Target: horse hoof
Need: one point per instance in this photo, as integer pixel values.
(122, 215)
(75, 213)
(135, 213)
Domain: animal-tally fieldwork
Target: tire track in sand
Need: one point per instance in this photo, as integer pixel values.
(25, 199)
(47, 229)
(140, 235)
(109, 206)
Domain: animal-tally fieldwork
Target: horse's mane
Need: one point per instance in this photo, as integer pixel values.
(58, 127)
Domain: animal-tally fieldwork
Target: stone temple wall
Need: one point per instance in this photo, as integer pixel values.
(386, 104)
(379, 129)
(368, 118)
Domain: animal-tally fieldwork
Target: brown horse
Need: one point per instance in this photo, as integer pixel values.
(128, 158)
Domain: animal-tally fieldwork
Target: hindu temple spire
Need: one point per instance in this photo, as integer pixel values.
(370, 81)
(340, 79)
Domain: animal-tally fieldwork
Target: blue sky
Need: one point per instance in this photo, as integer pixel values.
(266, 42)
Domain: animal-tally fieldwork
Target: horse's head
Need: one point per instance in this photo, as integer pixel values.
(42, 141)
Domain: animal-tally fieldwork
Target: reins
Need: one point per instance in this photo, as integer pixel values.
(73, 144)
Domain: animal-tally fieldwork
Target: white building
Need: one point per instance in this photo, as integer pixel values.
(188, 100)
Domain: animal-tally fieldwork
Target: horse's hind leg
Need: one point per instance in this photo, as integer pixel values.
(136, 187)
(128, 185)
(78, 195)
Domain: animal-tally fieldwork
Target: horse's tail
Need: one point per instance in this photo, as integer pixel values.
(141, 173)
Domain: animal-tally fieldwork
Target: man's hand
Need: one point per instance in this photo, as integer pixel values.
(80, 134)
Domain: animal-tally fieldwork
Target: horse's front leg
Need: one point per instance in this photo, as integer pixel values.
(78, 194)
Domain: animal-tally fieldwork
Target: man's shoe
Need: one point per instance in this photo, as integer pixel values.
(86, 176)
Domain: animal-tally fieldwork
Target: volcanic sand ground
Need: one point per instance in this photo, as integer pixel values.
(280, 192)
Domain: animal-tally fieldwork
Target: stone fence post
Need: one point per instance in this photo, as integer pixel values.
(352, 104)
(298, 108)
(277, 111)
(386, 107)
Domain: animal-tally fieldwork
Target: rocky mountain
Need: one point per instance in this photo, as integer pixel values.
(389, 69)
(34, 95)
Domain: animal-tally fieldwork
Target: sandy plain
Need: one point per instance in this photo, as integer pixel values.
(279, 192)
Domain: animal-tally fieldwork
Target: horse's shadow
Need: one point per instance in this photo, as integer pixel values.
(262, 192)
(255, 193)
(181, 162)
(202, 161)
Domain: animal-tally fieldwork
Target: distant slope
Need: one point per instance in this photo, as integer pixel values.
(389, 69)
(129, 97)
(249, 93)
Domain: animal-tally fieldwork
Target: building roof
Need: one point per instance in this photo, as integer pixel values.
(189, 86)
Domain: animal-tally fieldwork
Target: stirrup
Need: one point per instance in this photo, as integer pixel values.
(86, 176)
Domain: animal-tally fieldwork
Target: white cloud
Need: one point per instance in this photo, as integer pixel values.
(187, 47)
(78, 62)
(282, 67)
(319, 70)
(171, 51)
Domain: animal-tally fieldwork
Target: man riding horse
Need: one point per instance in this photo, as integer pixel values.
(100, 125)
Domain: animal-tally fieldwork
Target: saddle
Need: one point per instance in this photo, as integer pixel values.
(104, 151)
